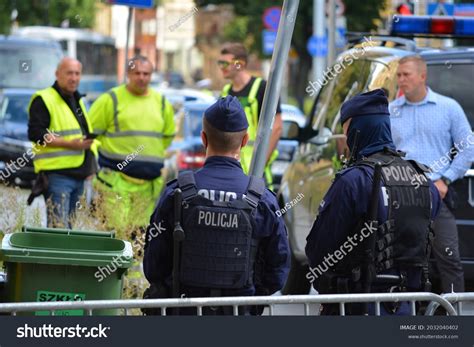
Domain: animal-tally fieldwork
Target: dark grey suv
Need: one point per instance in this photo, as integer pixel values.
(451, 73)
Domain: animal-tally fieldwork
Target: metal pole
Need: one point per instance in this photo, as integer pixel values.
(129, 26)
(448, 43)
(332, 32)
(270, 99)
(319, 62)
(417, 7)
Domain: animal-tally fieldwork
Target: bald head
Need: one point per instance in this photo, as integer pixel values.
(68, 74)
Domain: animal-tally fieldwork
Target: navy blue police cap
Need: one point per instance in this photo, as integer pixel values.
(227, 114)
(370, 103)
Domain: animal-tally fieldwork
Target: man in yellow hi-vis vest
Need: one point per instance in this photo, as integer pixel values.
(250, 91)
(135, 124)
(59, 128)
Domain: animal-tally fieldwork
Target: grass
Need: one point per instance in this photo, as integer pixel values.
(15, 214)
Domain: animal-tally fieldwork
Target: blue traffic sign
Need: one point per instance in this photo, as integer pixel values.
(271, 18)
(268, 40)
(133, 3)
(440, 9)
(317, 46)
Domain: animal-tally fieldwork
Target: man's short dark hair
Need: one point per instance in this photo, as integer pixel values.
(138, 58)
(238, 50)
(222, 140)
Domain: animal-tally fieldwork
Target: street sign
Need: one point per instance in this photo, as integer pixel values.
(440, 9)
(133, 3)
(271, 18)
(268, 40)
(317, 46)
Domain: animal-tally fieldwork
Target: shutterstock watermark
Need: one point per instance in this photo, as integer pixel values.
(347, 247)
(332, 71)
(49, 331)
(449, 156)
(290, 205)
(139, 243)
(20, 162)
(183, 19)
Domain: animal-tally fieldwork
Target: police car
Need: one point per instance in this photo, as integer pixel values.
(321, 142)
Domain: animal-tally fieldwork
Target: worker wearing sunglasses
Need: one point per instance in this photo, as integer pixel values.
(250, 91)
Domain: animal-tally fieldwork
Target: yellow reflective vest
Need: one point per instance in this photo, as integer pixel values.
(130, 125)
(63, 123)
(251, 111)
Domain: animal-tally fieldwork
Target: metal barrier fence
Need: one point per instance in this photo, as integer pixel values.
(453, 298)
(235, 302)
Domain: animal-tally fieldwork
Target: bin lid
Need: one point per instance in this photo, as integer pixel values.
(65, 249)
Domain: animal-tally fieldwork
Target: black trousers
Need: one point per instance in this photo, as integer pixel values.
(446, 251)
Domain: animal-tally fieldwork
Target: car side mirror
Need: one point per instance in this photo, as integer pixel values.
(322, 137)
(290, 131)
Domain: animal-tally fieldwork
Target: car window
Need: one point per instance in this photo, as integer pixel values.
(359, 77)
(455, 81)
(322, 102)
(15, 108)
(349, 82)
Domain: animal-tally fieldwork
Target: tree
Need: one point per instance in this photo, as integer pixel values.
(361, 16)
(77, 13)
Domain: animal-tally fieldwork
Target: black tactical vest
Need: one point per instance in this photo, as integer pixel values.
(403, 240)
(218, 250)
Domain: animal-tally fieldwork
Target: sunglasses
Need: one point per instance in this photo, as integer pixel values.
(223, 64)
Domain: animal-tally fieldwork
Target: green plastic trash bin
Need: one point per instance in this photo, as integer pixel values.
(64, 265)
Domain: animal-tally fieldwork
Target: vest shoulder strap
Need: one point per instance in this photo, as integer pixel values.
(113, 95)
(254, 90)
(381, 158)
(255, 190)
(187, 184)
(226, 89)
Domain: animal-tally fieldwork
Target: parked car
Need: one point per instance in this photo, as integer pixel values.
(26, 65)
(178, 97)
(321, 142)
(14, 141)
(171, 79)
(187, 151)
(286, 148)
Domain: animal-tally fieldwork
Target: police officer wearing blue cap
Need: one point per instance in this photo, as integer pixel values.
(372, 233)
(233, 243)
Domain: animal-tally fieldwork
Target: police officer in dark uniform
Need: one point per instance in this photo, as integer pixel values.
(234, 243)
(348, 250)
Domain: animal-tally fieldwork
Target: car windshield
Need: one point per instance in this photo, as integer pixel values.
(455, 82)
(27, 67)
(15, 108)
(348, 83)
(362, 75)
(193, 122)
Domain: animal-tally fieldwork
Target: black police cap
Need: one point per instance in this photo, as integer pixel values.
(227, 115)
(370, 103)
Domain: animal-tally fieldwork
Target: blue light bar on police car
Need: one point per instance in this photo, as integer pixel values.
(433, 25)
